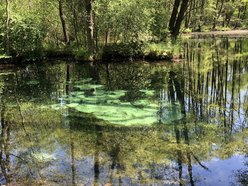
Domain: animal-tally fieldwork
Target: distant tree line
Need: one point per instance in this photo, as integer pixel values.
(32, 25)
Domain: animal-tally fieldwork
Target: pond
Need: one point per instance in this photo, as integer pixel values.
(131, 123)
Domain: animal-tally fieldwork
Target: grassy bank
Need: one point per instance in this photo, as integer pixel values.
(112, 52)
(134, 51)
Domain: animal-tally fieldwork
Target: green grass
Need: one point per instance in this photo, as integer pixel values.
(161, 50)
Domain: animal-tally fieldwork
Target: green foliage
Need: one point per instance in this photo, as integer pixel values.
(152, 51)
(122, 50)
(119, 25)
(124, 20)
(158, 51)
(26, 36)
(82, 54)
(53, 52)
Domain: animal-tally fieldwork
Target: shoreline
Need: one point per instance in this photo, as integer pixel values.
(218, 33)
(111, 57)
(12, 61)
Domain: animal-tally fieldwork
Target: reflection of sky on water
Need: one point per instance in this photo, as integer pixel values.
(221, 172)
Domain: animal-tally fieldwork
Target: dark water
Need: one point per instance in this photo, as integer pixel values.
(137, 123)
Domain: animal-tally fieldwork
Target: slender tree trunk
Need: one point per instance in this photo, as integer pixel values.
(177, 17)
(106, 37)
(188, 16)
(75, 23)
(219, 12)
(95, 33)
(202, 13)
(62, 18)
(239, 14)
(90, 26)
(244, 13)
(180, 18)
(7, 27)
(174, 14)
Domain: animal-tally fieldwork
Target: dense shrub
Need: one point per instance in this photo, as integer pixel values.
(121, 50)
(26, 37)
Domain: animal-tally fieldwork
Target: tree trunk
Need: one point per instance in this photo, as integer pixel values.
(90, 26)
(218, 13)
(106, 37)
(244, 12)
(95, 34)
(188, 16)
(180, 17)
(174, 14)
(7, 27)
(75, 22)
(62, 18)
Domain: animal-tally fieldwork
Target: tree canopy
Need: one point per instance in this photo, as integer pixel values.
(30, 27)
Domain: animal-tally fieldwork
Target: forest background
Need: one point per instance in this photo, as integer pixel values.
(89, 30)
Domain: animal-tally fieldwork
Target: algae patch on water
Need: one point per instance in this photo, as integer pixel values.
(115, 107)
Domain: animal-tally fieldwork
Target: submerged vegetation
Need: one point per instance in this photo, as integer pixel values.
(114, 107)
(90, 30)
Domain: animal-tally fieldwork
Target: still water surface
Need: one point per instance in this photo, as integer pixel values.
(132, 123)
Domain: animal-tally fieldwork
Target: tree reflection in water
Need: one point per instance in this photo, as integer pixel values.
(202, 107)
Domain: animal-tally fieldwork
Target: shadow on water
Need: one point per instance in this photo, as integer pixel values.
(129, 124)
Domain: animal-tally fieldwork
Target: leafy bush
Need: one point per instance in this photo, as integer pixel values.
(26, 37)
(121, 50)
(52, 52)
(82, 54)
(157, 51)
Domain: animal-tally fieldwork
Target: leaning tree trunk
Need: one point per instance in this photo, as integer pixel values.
(62, 18)
(90, 26)
(218, 13)
(174, 14)
(177, 16)
(176, 29)
(7, 27)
